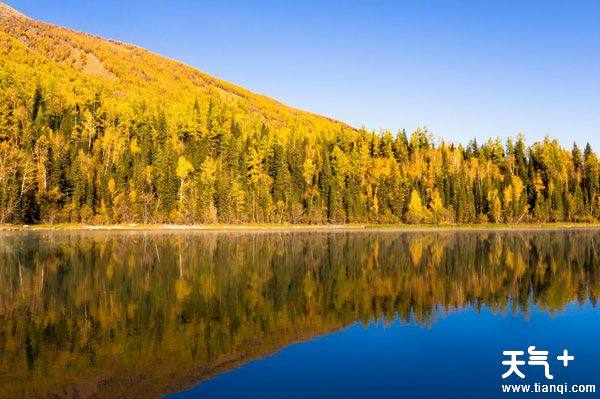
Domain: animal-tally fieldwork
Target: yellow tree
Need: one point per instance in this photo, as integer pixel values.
(438, 212)
(238, 198)
(514, 201)
(184, 168)
(309, 171)
(495, 206)
(416, 212)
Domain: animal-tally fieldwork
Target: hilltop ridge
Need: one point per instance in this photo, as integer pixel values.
(8, 11)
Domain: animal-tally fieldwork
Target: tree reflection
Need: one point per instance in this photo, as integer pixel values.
(103, 314)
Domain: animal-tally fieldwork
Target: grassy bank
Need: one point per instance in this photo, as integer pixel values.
(297, 227)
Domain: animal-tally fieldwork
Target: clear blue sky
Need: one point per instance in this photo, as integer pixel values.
(462, 68)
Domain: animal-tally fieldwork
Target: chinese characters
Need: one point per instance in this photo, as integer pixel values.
(536, 358)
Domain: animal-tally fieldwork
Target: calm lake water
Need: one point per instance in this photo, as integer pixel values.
(294, 315)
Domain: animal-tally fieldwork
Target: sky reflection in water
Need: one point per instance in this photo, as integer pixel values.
(458, 357)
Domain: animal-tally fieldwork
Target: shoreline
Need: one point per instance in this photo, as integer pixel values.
(298, 227)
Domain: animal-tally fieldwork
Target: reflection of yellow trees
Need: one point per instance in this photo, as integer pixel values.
(415, 248)
(148, 307)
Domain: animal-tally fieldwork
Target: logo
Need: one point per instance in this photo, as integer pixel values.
(536, 358)
(517, 363)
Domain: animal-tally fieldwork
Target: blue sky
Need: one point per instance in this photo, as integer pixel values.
(464, 69)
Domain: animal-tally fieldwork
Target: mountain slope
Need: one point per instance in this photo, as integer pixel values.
(126, 73)
(96, 92)
(98, 131)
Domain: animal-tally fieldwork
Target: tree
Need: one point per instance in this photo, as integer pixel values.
(208, 177)
(591, 180)
(416, 212)
(514, 200)
(438, 211)
(184, 168)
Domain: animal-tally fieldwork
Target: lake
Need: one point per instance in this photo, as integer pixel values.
(276, 314)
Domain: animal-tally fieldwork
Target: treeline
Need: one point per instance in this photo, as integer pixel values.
(91, 164)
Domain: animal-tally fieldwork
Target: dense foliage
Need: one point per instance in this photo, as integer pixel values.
(97, 131)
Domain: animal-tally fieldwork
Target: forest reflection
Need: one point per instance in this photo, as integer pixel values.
(111, 314)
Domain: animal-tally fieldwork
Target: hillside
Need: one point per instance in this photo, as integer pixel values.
(98, 131)
(130, 75)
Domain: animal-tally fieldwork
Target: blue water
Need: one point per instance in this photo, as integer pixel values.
(148, 314)
(459, 356)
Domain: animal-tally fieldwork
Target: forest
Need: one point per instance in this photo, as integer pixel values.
(100, 132)
(82, 164)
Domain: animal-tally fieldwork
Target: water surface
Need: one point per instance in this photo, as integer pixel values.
(292, 314)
